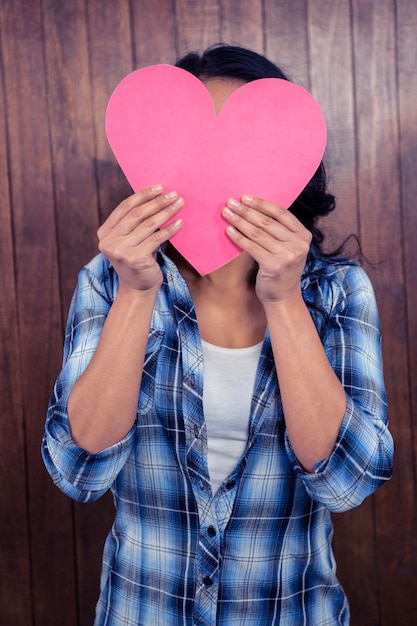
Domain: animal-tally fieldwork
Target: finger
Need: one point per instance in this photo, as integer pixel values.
(258, 227)
(253, 248)
(124, 247)
(147, 233)
(143, 207)
(252, 240)
(272, 210)
(140, 212)
(152, 215)
(155, 239)
(129, 203)
(271, 254)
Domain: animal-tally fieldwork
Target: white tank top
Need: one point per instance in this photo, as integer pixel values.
(229, 377)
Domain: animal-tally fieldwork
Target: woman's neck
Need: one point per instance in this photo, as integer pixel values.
(237, 274)
(228, 311)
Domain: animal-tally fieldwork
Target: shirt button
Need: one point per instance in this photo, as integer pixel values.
(207, 581)
(230, 484)
(211, 531)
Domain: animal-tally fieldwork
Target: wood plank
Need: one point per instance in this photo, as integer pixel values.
(72, 138)
(331, 82)
(38, 304)
(241, 24)
(305, 37)
(331, 72)
(407, 97)
(381, 234)
(197, 25)
(15, 582)
(153, 26)
(73, 153)
(286, 41)
(112, 54)
(110, 59)
(406, 13)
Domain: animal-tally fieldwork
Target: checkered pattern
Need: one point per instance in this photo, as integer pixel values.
(259, 551)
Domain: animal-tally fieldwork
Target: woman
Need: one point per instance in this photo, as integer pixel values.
(229, 413)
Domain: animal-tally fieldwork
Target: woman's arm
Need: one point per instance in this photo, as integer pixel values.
(103, 402)
(333, 395)
(313, 399)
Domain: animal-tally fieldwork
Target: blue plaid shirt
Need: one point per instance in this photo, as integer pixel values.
(258, 552)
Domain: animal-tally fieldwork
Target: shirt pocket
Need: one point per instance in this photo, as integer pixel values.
(147, 387)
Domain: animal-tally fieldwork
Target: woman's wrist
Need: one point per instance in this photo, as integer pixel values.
(285, 306)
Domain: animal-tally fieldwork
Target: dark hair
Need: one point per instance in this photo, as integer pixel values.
(239, 63)
(230, 61)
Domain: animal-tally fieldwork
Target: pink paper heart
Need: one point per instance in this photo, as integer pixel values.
(267, 141)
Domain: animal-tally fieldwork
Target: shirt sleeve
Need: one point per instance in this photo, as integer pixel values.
(361, 460)
(79, 474)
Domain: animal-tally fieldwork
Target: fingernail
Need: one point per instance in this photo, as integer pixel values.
(156, 188)
(178, 203)
(178, 223)
(247, 198)
(233, 203)
(231, 230)
(228, 212)
(171, 195)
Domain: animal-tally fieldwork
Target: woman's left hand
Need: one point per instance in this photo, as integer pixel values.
(275, 239)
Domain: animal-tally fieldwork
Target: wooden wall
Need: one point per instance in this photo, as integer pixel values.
(59, 62)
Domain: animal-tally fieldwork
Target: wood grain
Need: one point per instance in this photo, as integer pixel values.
(111, 58)
(379, 196)
(331, 80)
(154, 32)
(59, 64)
(197, 25)
(72, 138)
(241, 24)
(110, 54)
(38, 304)
(286, 41)
(15, 579)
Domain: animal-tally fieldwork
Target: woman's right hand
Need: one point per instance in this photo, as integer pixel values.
(132, 233)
